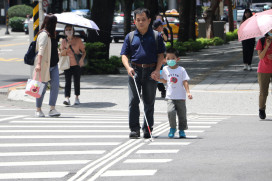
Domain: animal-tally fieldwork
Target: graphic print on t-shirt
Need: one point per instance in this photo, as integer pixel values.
(173, 80)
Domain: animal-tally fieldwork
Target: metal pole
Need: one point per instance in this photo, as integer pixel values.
(41, 13)
(7, 18)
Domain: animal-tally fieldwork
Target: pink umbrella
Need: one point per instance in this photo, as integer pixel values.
(257, 25)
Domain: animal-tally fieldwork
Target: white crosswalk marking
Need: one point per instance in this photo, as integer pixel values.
(90, 143)
(40, 153)
(66, 162)
(34, 175)
(10, 118)
(156, 151)
(170, 143)
(147, 160)
(63, 136)
(59, 144)
(129, 173)
(66, 131)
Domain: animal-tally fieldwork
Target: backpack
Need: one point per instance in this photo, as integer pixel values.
(31, 53)
(155, 33)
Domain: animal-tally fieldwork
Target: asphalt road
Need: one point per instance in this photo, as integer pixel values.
(92, 144)
(226, 140)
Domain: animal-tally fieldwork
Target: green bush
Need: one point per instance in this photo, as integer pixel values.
(217, 41)
(178, 46)
(235, 34)
(116, 61)
(205, 42)
(230, 36)
(20, 11)
(16, 23)
(96, 62)
(193, 46)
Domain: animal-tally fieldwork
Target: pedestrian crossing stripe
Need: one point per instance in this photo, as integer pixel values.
(36, 163)
(147, 160)
(33, 175)
(59, 144)
(66, 131)
(47, 153)
(156, 151)
(169, 143)
(63, 136)
(64, 126)
(11, 59)
(21, 138)
(129, 173)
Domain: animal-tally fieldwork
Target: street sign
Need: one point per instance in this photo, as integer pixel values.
(45, 3)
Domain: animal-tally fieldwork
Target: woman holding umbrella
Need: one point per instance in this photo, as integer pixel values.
(264, 70)
(248, 45)
(72, 46)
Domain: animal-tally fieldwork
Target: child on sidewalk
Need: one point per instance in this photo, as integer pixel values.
(176, 78)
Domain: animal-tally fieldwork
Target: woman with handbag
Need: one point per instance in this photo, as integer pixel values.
(46, 64)
(73, 47)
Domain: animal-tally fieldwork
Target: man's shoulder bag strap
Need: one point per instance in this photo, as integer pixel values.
(155, 33)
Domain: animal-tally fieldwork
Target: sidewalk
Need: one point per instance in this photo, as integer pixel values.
(218, 84)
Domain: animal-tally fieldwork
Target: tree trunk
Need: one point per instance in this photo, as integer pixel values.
(104, 20)
(231, 23)
(127, 16)
(209, 17)
(184, 13)
(192, 15)
(153, 7)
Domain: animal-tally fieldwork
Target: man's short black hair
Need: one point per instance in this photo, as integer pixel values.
(172, 50)
(140, 11)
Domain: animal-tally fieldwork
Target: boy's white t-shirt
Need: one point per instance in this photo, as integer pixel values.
(175, 77)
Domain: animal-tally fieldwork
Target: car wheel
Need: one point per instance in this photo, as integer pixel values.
(116, 40)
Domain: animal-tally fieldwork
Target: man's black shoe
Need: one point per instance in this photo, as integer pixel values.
(262, 114)
(146, 135)
(134, 134)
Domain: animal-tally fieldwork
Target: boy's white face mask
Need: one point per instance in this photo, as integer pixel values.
(171, 63)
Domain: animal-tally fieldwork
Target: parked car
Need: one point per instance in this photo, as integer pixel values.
(117, 30)
(225, 16)
(79, 32)
(261, 6)
(240, 13)
(173, 20)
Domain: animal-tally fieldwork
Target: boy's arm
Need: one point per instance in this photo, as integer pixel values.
(162, 80)
(186, 86)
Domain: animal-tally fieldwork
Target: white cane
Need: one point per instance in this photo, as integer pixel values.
(151, 138)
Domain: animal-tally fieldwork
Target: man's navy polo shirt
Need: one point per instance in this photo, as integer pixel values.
(143, 48)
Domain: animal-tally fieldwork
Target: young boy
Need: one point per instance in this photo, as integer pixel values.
(176, 78)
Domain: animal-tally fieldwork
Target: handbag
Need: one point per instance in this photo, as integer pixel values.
(35, 88)
(77, 56)
(64, 62)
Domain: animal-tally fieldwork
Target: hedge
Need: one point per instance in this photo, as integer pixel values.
(96, 62)
(20, 11)
(17, 24)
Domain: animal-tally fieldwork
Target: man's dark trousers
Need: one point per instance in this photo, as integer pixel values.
(148, 87)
